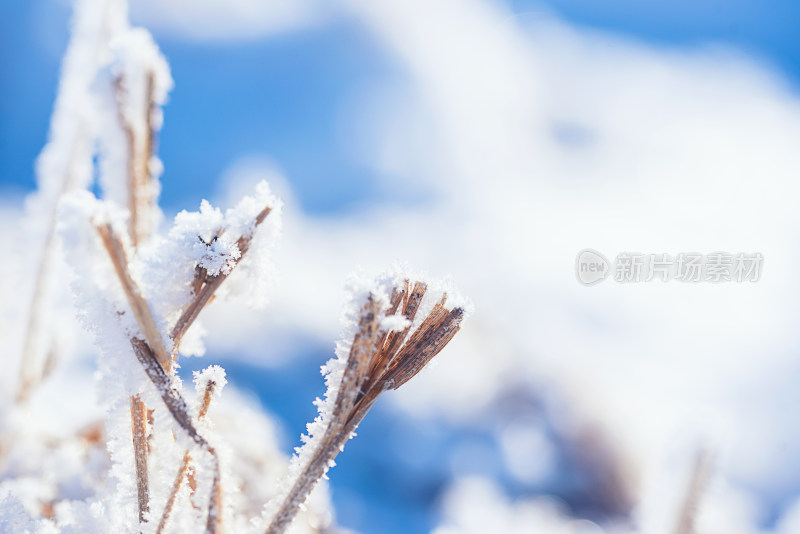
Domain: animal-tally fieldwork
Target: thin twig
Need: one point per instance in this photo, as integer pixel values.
(208, 286)
(66, 102)
(176, 486)
(139, 430)
(184, 467)
(156, 363)
(155, 370)
(140, 191)
(141, 310)
(141, 202)
(334, 438)
(177, 406)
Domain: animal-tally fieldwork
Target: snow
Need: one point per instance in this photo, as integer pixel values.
(213, 375)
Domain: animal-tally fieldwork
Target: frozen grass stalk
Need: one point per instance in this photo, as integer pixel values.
(141, 193)
(384, 354)
(140, 201)
(205, 285)
(208, 393)
(139, 431)
(141, 310)
(63, 166)
(142, 207)
(159, 373)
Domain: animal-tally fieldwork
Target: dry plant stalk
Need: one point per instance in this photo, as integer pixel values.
(172, 398)
(184, 467)
(140, 150)
(701, 472)
(177, 407)
(139, 430)
(378, 360)
(176, 486)
(141, 310)
(151, 352)
(140, 201)
(144, 318)
(205, 286)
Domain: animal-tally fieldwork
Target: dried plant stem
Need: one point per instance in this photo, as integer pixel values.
(29, 375)
(140, 147)
(140, 202)
(342, 423)
(139, 428)
(378, 360)
(315, 469)
(701, 472)
(156, 371)
(208, 394)
(184, 467)
(176, 486)
(141, 310)
(177, 406)
(205, 286)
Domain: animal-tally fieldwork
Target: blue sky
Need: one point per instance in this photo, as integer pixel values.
(281, 96)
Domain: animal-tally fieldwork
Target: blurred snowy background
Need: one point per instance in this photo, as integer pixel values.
(492, 141)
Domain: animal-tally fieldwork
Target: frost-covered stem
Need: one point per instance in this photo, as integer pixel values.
(302, 488)
(701, 471)
(176, 405)
(209, 285)
(71, 136)
(141, 310)
(138, 201)
(141, 201)
(316, 468)
(343, 420)
(379, 359)
(176, 486)
(139, 430)
(208, 394)
(140, 197)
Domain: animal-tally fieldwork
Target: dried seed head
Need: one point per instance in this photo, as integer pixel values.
(427, 341)
(386, 353)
